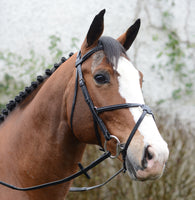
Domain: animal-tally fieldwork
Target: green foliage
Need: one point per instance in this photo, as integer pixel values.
(9, 87)
(174, 53)
(18, 70)
(55, 51)
(74, 43)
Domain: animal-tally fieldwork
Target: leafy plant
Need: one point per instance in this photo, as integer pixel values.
(20, 70)
(55, 51)
(173, 57)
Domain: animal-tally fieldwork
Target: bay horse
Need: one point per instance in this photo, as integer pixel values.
(44, 131)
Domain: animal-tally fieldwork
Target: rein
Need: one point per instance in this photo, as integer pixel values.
(120, 148)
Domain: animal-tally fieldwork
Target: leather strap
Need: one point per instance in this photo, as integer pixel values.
(69, 178)
(116, 107)
(82, 189)
(97, 119)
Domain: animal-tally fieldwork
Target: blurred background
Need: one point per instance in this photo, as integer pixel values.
(35, 34)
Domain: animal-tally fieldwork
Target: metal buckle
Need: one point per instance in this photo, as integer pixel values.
(147, 109)
(118, 147)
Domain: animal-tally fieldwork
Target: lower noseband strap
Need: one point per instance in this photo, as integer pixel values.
(124, 151)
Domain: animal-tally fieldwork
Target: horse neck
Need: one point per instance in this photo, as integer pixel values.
(40, 132)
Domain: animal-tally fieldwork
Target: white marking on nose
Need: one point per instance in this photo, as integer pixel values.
(129, 85)
(130, 90)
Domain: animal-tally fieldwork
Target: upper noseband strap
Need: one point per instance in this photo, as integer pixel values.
(116, 107)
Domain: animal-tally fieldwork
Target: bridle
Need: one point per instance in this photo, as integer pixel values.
(120, 148)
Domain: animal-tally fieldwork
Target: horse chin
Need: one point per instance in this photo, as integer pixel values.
(131, 170)
(136, 173)
(138, 176)
(132, 175)
(143, 175)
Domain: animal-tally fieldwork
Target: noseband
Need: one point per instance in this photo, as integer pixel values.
(120, 148)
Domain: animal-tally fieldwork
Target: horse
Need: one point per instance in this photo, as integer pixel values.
(45, 130)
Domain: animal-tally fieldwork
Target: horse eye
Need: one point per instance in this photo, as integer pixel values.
(101, 78)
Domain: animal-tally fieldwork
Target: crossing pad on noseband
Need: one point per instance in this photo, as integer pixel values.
(147, 109)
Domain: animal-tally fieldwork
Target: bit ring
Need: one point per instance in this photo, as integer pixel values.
(118, 149)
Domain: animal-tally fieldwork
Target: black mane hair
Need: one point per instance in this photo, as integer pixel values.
(112, 49)
(28, 90)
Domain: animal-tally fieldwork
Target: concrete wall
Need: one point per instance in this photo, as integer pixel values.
(26, 25)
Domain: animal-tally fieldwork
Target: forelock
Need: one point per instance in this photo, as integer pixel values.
(112, 49)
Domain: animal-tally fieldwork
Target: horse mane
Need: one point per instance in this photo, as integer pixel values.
(112, 49)
(28, 90)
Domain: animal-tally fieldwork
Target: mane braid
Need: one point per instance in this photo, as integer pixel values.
(112, 49)
(28, 90)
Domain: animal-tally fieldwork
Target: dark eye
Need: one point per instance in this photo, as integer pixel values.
(102, 78)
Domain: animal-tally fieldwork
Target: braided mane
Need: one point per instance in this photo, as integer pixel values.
(112, 49)
(28, 90)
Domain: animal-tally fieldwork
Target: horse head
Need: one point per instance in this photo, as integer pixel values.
(111, 79)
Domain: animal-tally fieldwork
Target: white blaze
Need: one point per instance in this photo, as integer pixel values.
(130, 90)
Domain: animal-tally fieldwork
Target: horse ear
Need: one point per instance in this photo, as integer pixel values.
(129, 36)
(95, 30)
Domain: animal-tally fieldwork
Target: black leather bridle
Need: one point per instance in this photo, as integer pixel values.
(120, 148)
(95, 111)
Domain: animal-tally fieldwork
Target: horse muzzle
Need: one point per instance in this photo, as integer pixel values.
(150, 167)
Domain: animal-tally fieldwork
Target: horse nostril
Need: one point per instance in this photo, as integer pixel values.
(146, 157)
(149, 155)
